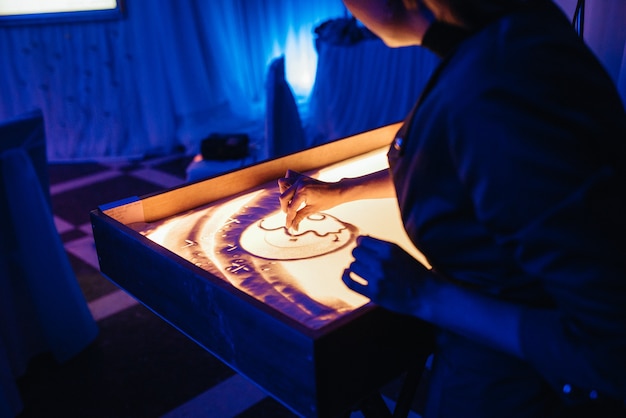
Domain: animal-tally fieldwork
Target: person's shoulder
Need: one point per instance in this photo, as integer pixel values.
(533, 45)
(540, 30)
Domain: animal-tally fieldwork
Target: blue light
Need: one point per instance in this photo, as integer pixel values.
(300, 61)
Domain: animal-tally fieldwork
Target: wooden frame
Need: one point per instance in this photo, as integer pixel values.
(315, 372)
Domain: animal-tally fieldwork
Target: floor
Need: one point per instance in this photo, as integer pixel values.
(138, 366)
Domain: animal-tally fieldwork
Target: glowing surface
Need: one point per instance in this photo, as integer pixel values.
(243, 241)
(321, 234)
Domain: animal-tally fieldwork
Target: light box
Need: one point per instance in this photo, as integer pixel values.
(213, 259)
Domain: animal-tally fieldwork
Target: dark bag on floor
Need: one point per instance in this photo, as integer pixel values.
(224, 147)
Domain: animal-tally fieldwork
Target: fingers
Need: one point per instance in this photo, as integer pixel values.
(288, 187)
(363, 275)
(373, 244)
(367, 274)
(293, 198)
(291, 174)
(285, 197)
(295, 217)
(293, 203)
(290, 178)
(354, 282)
(284, 184)
(369, 249)
(386, 274)
(362, 281)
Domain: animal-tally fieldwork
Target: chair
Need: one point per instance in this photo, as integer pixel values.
(42, 307)
(283, 126)
(284, 133)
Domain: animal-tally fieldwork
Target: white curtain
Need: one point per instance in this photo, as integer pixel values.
(166, 76)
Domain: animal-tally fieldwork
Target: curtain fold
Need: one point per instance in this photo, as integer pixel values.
(362, 84)
(170, 73)
(165, 76)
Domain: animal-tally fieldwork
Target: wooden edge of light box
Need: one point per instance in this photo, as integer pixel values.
(335, 345)
(313, 372)
(192, 195)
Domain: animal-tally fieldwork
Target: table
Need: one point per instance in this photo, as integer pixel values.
(314, 370)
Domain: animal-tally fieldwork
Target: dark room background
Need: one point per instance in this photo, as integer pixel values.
(171, 72)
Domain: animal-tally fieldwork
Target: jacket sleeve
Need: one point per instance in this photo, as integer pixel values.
(544, 166)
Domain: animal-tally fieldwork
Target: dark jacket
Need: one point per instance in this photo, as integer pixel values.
(510, 179)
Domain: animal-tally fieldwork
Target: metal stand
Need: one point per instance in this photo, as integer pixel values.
(374, 406)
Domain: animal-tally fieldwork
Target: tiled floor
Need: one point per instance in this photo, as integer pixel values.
(138, 366)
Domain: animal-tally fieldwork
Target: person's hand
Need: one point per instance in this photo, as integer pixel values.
(302, 196)
(387, 275)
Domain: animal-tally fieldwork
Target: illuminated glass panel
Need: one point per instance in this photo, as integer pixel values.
(14, 12)
(243, 240)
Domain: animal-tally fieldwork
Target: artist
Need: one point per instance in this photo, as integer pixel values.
(510, 176)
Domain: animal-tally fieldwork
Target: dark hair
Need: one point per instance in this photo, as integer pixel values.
(478, 13)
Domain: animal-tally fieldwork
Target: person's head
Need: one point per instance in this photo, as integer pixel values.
(397, 22)
(404, 22)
